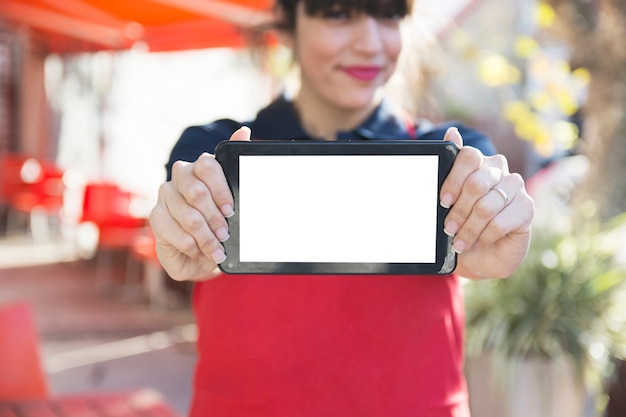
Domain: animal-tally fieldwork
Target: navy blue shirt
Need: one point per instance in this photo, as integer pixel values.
(280, 121)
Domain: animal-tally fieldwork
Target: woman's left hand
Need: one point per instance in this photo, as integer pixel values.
(491, 213)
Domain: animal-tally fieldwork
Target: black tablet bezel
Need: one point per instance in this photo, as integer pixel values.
(228, 152)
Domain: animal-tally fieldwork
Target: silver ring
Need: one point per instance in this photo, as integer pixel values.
(503, 194)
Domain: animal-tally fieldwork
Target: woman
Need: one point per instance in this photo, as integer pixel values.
(335, 345)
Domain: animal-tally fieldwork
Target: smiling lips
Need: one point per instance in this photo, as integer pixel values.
(363, 73)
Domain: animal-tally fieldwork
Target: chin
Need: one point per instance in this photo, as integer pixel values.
(360, 101)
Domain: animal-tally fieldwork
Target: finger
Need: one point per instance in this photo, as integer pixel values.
(193, 202)
(177, 250)
(168, 232)
(505, 241)
(453, 135)
(189, 230)
(515, 217)
(505, 197)
(241, 134)
(197, 239)
(485, 210)
(212, 190)
(477, 185)
(467, 161)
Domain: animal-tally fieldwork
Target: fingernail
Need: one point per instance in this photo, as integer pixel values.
(450, 131)
(222, 234)
(218, 256)
(451, 228)
(227, 210)
(446, 200)
(459, 246)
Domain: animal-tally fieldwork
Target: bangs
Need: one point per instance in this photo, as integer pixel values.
(376, 8)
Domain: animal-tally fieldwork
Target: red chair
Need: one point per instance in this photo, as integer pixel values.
(109, 207)
(11, 178)
(31, 186)
(24, 387)
(21, 372)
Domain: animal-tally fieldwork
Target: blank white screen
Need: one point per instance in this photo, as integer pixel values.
(338, 208)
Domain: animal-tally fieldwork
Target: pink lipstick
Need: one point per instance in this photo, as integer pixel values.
(363, 73)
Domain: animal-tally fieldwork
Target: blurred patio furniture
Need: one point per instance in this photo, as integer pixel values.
(21, 372)
(143, 250)
(108, 210)
(23, 384)
(134, 403)
(33, 187)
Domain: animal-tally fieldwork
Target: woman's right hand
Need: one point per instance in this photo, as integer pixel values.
(189, 219)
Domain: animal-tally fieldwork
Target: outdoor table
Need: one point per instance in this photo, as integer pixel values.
(135, 403)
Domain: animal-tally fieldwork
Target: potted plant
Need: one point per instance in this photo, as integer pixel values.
(547, 334)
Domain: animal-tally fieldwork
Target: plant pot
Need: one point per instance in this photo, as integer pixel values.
(537, 387)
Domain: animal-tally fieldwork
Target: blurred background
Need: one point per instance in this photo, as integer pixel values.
(94, 94)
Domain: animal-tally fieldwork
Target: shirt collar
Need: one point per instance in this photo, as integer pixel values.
(279, 121)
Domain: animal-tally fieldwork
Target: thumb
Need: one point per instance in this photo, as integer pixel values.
(241, 134)
(453, 135)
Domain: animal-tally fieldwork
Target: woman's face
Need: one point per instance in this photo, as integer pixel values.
(345, 57)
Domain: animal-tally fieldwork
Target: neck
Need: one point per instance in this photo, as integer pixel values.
(323, 121)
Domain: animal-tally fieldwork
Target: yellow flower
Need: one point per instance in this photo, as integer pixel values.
(565, 134)
(495, 70)
(525, 46)
(514, 110)
(566, 102)
(545, 15)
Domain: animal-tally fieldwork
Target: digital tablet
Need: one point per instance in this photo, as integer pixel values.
(316, 207)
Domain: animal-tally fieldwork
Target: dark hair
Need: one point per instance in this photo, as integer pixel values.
(378, 8)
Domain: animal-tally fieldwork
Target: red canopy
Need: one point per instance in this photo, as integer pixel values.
(163, 25)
